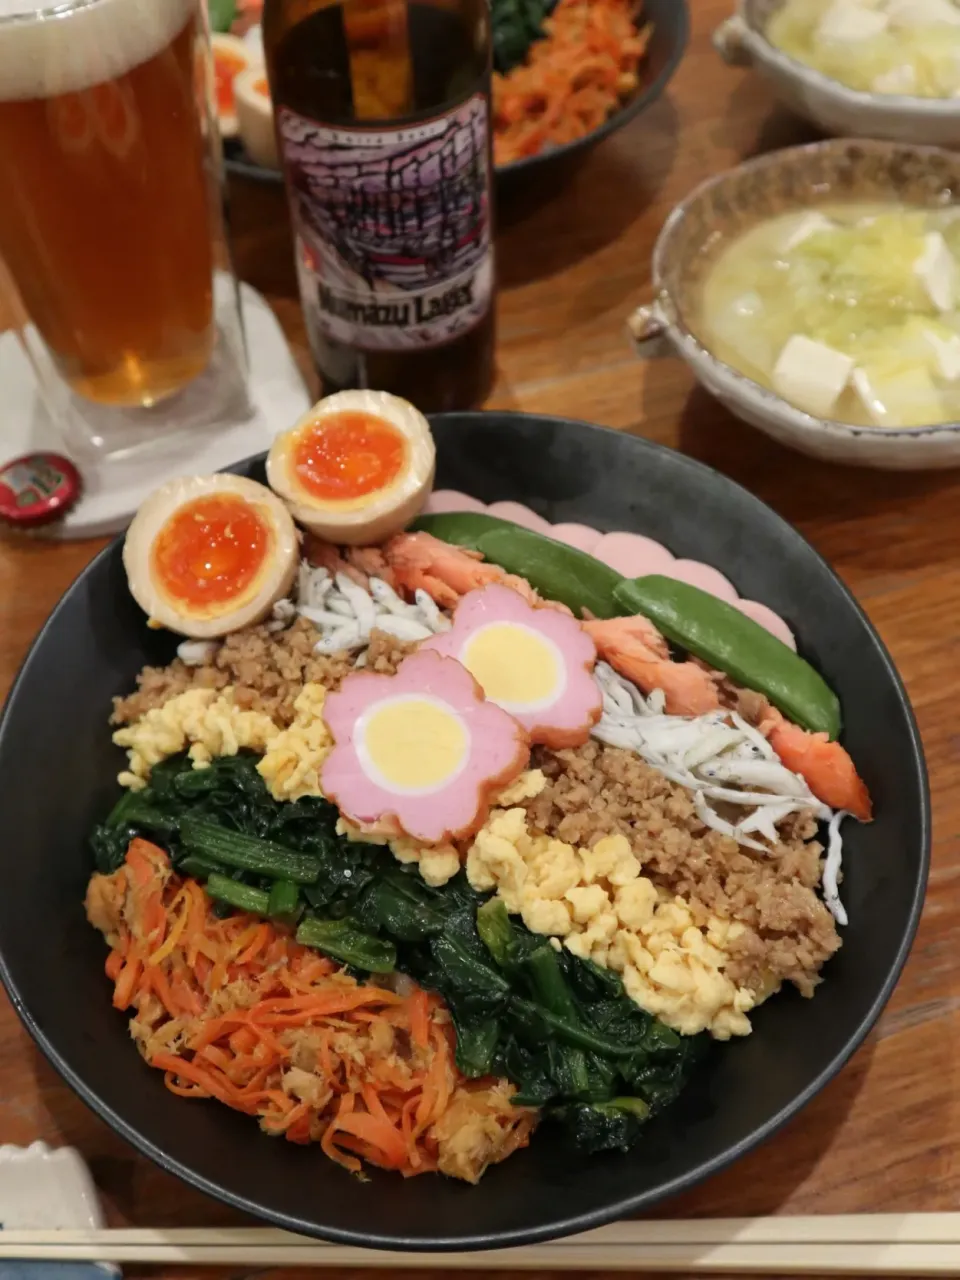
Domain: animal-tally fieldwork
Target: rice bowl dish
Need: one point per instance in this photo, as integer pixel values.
(452, 841)
(578, 483)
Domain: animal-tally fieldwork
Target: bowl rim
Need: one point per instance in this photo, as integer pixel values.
(572, 1224)
(886, 103)
(646, 97)
(694, 350)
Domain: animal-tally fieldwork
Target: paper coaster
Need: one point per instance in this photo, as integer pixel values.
(112, 490)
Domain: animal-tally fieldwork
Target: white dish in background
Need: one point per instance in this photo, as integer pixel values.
(48, 1189)
(826, 103)
(725, 207)
(44, 1187)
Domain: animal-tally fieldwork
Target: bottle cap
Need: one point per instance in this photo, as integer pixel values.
(37, 488)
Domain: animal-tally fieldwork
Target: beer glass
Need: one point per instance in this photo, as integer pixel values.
(111, 222)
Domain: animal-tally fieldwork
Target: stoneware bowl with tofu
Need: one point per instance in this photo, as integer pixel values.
(797, 180)
(835, 108)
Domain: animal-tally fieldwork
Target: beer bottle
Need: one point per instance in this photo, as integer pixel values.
(383, 122)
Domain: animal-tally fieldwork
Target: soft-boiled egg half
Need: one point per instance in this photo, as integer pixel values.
(231, 57)
(356, 468)
(206, 555)
(254, 109)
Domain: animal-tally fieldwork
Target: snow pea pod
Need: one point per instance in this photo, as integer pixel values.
(554, 569)
(731, 642)
(459, 528)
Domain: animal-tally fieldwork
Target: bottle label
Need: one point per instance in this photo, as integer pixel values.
(392, 227)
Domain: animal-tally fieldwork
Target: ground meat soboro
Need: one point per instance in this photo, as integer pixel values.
(595, 790)
(267, 670)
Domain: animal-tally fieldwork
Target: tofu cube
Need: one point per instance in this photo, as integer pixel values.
(936, 268)
(908, 398)
(807, 225)
(811, 375)
(923, 13)
(947, 352)
(868, 397)
(849, 23)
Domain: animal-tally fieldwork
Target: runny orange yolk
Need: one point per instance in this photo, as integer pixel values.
(226, 68)
(210, 550)
(348, 455)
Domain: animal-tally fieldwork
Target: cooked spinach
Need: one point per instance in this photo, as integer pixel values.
(515, 24)
(222, 14)
(344, 941)
(562, 1029)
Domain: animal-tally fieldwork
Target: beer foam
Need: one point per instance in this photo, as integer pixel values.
(71, 49)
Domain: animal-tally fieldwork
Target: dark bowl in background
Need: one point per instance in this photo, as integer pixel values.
(668, 43)
(671, 31)
(57, 770)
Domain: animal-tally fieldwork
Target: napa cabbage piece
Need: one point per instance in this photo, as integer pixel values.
(869, 265)
(841, 287)
(916, 60)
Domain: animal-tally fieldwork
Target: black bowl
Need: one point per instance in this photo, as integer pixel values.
(671, 31)
(57, 769)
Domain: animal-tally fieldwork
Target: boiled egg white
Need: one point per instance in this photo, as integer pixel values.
(254, 109)
(231, 56)
(207, 555)
(356, 468)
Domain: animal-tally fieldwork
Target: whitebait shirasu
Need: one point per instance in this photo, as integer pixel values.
(346, 615)
(719, 757)
(197, 653)
(831, 868)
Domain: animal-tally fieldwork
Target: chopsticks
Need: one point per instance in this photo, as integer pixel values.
(912, 1244)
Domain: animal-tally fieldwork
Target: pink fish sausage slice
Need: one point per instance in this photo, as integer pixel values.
(535, 663)
(420, 752)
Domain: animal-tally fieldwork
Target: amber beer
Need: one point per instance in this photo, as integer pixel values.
(105, 197)
(383, 124)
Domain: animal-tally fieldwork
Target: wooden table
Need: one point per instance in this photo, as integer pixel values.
(886, 1134)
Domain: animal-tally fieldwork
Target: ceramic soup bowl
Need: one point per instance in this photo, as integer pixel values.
(833, 107)
(727, 206)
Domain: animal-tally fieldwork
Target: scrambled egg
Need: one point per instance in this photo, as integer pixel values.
(597, 902)
(207, 721)
(526, 787)
(291, 766)
(210, 724)
(437, 863)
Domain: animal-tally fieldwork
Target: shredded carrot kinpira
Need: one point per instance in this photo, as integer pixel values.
(235, 1009)
(572, 79)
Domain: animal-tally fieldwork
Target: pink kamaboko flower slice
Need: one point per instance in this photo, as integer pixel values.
(535, 663)
(421, 752)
